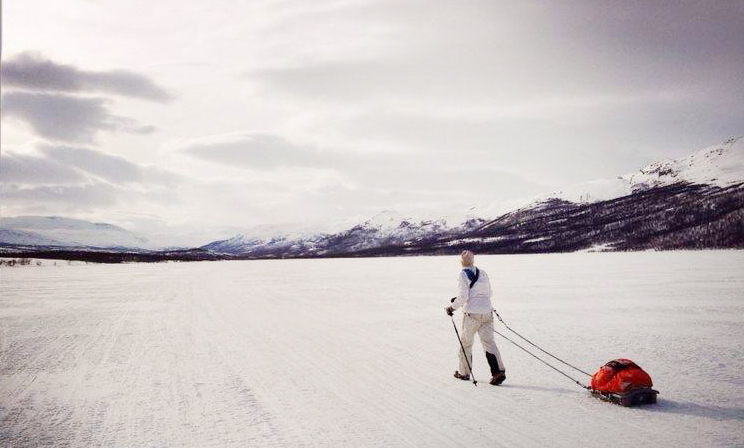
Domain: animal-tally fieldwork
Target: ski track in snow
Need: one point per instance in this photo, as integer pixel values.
(359, 352)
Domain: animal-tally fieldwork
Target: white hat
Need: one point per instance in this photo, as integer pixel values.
(467, 258)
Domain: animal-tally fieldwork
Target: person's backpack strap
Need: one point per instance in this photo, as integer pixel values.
(473, 277)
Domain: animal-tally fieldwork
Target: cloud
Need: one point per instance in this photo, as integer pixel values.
(34, 169)
(109, 167)
(52, 179)
(289, 175)
(67, 118)
(251, 150)
(487, 57)
(33, 72)
(65, 165)
(62, 197)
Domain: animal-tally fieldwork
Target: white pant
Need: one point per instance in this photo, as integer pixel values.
(483, 325)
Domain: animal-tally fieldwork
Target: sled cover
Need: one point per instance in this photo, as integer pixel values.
(620, 376)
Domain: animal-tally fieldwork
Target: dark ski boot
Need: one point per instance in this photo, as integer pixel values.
(465, 377)
(498, 378)
(499, 375)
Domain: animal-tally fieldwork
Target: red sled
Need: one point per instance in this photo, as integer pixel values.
(623, 382)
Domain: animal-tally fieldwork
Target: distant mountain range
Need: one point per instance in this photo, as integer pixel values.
(54, 231)
(693, 202)
(689, 203)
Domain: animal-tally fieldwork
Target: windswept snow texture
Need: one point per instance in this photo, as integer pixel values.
(359, 353)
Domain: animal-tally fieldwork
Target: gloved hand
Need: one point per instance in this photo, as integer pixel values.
(449, 310)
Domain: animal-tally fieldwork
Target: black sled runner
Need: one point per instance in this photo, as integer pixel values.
(635, 397)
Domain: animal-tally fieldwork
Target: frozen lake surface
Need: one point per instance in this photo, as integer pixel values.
(359, 352)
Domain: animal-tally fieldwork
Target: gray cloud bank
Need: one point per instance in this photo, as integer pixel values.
(485, 52)
(60, 164)
(581, 85)
(36, 169)
(51, 98)
(253, 150)
(32, 71)
(67, 118)
(66, 198)
(64, 178)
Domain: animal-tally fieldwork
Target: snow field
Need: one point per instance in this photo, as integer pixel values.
(359, 352)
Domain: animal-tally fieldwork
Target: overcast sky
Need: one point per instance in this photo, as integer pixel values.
(181, 116)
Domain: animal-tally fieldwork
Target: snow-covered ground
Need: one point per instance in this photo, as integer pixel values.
(360, 353)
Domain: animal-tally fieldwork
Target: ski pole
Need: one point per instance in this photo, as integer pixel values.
(475, 383)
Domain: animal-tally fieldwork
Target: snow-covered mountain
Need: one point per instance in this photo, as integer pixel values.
(385, 228)
(717, 167)
(56, 231)
(721, 165)
(679, 200)
(390, 227)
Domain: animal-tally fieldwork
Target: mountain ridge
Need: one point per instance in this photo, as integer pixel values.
(720, 166)
(702, 190)
(57, 231)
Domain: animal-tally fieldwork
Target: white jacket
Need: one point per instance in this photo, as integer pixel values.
(476, 299)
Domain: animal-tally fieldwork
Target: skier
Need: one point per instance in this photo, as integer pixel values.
(474, 292)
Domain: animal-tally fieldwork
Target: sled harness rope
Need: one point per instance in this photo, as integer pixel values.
(532, 344)
(537, 357)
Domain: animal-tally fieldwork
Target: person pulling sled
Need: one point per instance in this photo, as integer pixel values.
(474, 294)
